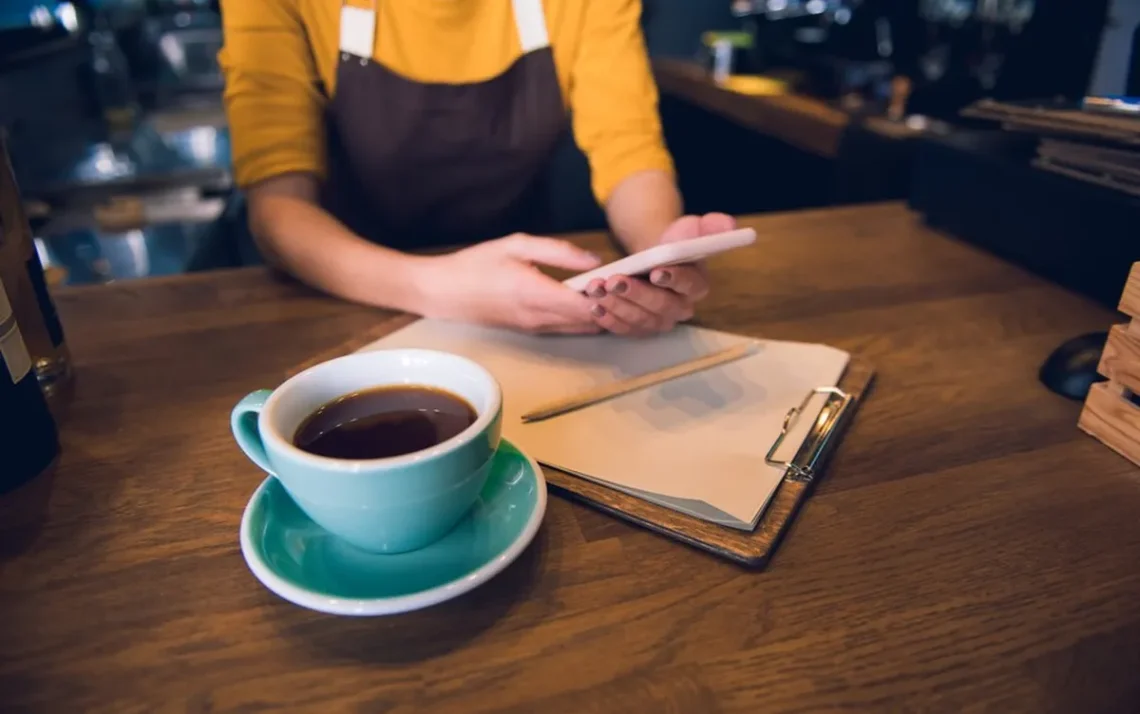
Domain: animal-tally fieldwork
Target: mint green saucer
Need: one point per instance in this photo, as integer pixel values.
(306, 565)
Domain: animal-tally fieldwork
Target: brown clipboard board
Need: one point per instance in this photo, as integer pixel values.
(751, 549)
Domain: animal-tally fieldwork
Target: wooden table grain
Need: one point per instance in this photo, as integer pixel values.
(807, 123)
(969, 549)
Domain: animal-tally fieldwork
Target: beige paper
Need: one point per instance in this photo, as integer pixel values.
(696, 444)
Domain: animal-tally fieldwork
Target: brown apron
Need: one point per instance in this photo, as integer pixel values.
(418, 165)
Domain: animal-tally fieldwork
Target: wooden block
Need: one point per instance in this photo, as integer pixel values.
(1113, 420)
(1120, 361)
(1130, 300)
(1109, 414)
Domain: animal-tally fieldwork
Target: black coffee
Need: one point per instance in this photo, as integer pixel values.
(382, 422)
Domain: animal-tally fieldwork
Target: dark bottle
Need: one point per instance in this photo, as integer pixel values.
(111, 76)
(23, 274)
(29, 439)
(1133, 87)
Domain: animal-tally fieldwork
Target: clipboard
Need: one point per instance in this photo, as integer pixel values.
(751, 549)
(754, 549)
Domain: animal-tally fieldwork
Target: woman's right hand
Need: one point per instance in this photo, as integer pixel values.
(496, 283)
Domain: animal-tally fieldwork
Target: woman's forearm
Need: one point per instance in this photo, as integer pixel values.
(296, 235)
(642, 206)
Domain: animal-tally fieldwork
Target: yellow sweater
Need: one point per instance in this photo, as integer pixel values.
(280, 60)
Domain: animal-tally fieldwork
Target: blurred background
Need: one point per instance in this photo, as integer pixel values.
(119, 142)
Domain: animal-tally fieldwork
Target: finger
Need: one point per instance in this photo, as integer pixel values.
(539, 321)
(553, 252)
(633, 319)
(545, 295)
(716, 223)
(689, 281)
(596, 288)
(610, 322)
(666, 305)
(617, 318)
(683, 228)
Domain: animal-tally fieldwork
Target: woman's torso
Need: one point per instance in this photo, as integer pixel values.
(415, 162)
(431, 62)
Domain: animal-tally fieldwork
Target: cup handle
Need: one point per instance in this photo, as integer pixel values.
(243, 423)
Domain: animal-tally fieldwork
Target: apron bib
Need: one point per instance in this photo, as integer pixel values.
(421, 165)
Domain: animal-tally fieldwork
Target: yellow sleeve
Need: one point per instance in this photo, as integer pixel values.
(273, 102)
(613, 97)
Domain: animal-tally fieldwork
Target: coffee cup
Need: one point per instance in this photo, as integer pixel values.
(390, 504)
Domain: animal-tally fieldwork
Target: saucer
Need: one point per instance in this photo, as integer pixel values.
(308, 566)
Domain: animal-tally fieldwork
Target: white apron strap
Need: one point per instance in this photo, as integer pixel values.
(530, 20)
(357, 31)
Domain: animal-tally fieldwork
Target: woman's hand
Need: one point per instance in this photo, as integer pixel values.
(634, 306)
(496, 283)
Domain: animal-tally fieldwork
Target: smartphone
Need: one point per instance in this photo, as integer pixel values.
(659, 256)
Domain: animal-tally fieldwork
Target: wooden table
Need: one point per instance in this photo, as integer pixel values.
(794, 150)
(805, 122)
(970, 548)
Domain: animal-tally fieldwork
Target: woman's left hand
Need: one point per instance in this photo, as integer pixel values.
(635, 306)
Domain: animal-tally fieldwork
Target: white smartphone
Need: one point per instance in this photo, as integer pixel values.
(659, 256)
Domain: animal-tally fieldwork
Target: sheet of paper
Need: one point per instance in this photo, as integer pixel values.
(696, 444)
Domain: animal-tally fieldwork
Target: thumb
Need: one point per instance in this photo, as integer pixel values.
(683, 228)
(550, 251)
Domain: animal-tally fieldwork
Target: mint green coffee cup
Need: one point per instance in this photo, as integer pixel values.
(386, 505)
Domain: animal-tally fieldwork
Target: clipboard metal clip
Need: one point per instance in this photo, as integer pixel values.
(802, 467)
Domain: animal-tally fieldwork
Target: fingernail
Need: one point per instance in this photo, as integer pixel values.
(597, 292)
(662, 278)
(598, 311)
(621, 287)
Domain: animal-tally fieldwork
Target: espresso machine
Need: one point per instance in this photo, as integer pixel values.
(999, 188)
(944, 54)
(835, 47)
(1008, 50)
